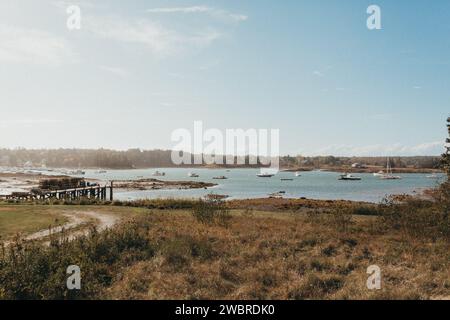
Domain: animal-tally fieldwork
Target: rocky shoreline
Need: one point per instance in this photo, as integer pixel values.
(155, 184)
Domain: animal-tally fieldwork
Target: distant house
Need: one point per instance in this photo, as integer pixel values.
(306, 162)
(358, 166)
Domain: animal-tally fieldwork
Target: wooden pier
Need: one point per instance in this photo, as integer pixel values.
(89, 192)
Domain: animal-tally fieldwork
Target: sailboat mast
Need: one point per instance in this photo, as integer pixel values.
(388, 166)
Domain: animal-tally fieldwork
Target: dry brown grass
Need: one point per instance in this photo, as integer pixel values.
(264, 255)
(307, 250)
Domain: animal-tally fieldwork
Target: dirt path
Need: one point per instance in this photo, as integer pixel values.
(77, 218)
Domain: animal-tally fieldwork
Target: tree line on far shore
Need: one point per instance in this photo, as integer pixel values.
(136, 158)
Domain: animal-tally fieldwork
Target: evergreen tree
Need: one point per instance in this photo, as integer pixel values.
(446, 155)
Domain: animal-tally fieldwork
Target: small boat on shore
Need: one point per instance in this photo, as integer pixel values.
(278, 194)
(216, 196)
(349, 177)
(158, 174)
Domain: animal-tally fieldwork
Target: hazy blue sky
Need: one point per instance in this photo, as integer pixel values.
(137, 70)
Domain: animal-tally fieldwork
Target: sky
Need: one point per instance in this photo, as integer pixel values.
(138, 70)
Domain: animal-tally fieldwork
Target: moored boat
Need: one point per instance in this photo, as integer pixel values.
(348, 176)
(220, 178)
(378, 174)
(389, 175)
(265, 175)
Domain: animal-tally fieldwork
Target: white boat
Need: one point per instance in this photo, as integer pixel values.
(297, 174)
(348, 176)
(433, 176)
(388, 175)
(220, 178)
(265, 175)
(101, 171)
(193, 175)
(378, 174)
(158, 174)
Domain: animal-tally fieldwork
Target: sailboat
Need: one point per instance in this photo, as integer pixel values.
(388, 175)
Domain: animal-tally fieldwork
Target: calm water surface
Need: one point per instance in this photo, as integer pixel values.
(243, 184)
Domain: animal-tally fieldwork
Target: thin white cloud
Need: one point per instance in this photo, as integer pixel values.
(155, 37)
(116, 71)
(423, 149)
(28, 122)
(193, 9)
(168, 104)
(210, 65)
(21, 45)
(176, 75)
(214, 12)
(61, 4)
(321, 72)
(318, 73)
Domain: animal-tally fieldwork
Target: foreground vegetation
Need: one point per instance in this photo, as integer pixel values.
(210, 251)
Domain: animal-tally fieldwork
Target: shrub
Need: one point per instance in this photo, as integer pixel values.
(416, 218)
(29, 270)
(366, 210)
(341, 219)
(211, 211)
(176, 252)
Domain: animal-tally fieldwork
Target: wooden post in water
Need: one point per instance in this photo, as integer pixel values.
(111, 191)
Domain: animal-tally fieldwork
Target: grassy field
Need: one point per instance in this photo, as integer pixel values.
(265, 255)
(287, 254)
(27, 219)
